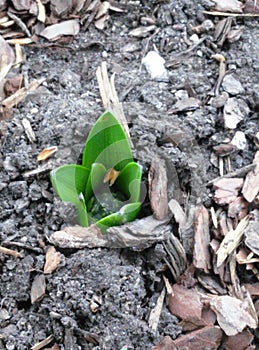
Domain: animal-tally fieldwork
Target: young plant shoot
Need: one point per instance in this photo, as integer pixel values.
(105, 189)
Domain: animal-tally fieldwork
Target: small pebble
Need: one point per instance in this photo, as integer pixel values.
(235, 110)
(155, 65)
(194, 38)
(34, 110)
(239, 140)
(104, 54)
(232, 85)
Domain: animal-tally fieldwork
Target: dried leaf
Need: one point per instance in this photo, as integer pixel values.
(12, 85)
(231, 241)
(201, 254)
(52, 260)
(111, 176)
(226, 190)
(41, 12)
(54, 31)
(251, 185)
(103, 9)
(142, 32)
(46, 153)
(100, 22)
(38, 288)
(232, 314)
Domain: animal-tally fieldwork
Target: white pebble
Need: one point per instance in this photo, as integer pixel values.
(34, 110)
(239, 140)
(155, 65)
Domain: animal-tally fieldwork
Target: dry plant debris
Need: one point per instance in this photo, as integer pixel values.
(208, 296)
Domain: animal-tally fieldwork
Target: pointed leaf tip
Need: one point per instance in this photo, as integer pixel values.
(107, 144)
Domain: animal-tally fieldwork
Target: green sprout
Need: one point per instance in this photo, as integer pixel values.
(105, 189)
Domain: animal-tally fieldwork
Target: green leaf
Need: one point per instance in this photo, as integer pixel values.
(69, 182)
(107, 144)
(127, 213)
(95, 180)
(129, 181)
(82, 211)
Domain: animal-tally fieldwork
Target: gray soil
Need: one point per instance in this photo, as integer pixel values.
(125, 283)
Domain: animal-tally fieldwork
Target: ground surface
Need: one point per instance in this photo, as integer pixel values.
(61, 113)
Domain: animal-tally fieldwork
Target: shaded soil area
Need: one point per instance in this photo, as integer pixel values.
(102, 298)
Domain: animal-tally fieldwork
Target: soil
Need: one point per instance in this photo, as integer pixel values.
(125, 283)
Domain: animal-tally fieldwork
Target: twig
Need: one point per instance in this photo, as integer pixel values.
(185, 53)
(10, 252)
(22, 245)
(218, 13)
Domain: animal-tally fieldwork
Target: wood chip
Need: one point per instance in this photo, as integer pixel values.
(18, 55)
(201, 254)
(239, 341)
(233, 314)
(157, 180)
(53, 32)
(139, 234)
(231, 241)
(20, 41)
(226, 190)
(156, 312)
(208, 337)
(238, 209)
(251, 186)
(252, 235)
(38, 288)
(20, 94)
(28, 130)
(6, 58)
(178, 213)
(185, 304)
(53, 259)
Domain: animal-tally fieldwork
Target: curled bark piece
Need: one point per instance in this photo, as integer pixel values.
(157, 179)
(139, 234)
